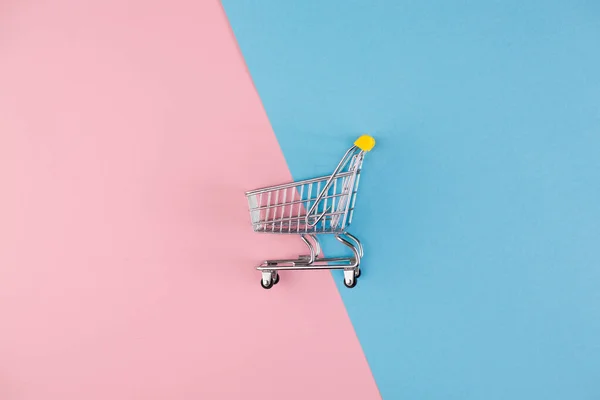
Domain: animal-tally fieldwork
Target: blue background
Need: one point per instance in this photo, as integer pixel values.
(479, 207)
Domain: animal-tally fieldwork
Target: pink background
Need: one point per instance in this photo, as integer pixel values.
(129, 132)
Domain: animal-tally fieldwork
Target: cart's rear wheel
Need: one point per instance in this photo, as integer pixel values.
(275, 279)
(267, 286)
(357, 275)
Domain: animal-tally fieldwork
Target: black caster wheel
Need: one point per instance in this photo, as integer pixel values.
(357, 275)
(269, 286)
(275, 280)
(353, 283)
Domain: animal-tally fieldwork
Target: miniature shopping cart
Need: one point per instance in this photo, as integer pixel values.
(309, 208)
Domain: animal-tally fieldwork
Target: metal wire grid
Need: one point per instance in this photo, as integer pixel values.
(283, 209)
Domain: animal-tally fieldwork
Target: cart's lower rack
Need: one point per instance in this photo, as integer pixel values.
(350, 265)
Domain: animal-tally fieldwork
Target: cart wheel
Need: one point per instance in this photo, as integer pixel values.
(269, 286)
(357, 275)
(354, 282)
(275, 279)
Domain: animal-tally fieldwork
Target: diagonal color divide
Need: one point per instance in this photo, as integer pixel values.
(479, 207)
(128, 136)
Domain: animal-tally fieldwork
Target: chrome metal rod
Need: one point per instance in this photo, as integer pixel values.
(354, 249)
(299, 267)
(272, 263)
(358, 243)
(310, 247)
(296, 183)
(323, 192)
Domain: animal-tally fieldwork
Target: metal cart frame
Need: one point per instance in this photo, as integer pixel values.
(309, 208)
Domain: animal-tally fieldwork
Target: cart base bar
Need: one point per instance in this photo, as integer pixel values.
(350, 265)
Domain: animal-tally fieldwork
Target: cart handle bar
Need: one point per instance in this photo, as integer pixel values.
(364, 143)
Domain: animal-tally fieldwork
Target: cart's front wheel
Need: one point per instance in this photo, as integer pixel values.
(350, 285)
(350, 278)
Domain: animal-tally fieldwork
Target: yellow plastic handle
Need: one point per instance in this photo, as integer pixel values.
(365, 142)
